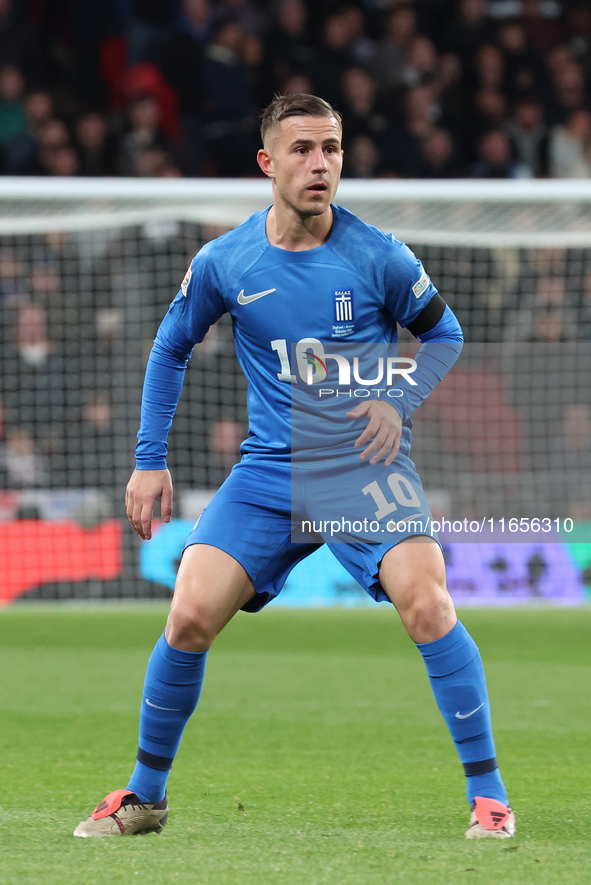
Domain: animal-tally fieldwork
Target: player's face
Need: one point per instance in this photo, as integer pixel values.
(303, 156)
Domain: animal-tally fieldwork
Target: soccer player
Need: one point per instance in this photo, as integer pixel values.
(298, 278)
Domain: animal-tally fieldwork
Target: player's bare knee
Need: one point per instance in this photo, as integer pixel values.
(189, 629)
(429, 614)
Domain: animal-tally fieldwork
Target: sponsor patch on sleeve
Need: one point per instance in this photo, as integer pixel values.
(186, 281)
(421, 284)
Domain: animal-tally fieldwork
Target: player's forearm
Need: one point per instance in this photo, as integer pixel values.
(163, 383)
(441, 347)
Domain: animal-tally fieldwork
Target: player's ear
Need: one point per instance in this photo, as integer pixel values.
(265, 162)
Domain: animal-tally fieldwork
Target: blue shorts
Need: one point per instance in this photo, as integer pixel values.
(270, 514)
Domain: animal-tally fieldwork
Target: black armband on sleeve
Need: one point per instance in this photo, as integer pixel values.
(428, 317)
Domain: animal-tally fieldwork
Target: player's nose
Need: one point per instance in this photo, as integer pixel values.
(319, 163)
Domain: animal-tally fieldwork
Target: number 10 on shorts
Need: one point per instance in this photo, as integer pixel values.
(402, 490)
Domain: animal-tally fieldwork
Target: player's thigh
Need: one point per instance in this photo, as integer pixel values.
(237, 554)
(211, 587)
(412, 574)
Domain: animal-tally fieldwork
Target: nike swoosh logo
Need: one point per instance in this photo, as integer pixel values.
(168, 709)
(406, 518)
(246, 299)
(467, 715)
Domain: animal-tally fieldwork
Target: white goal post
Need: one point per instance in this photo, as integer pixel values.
(463, 212)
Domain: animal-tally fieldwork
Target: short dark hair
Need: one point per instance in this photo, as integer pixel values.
(299, 104)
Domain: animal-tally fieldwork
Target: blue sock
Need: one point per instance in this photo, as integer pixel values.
(171, 691)
(457, 678)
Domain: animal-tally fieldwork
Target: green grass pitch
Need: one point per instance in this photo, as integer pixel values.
(316, 756)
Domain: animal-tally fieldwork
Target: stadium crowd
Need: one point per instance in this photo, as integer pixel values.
(427, 88)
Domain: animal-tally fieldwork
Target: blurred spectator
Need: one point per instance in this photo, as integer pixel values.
(51, 137)
(286, 46)
(570, 147)
(96, 150)
(13, 119)
(523, 68)
(247, 13)
(64, 304)
(21, 150)
(439, 156)
(179, 58)
(489, 111)
(550, 326)
(487, 70)
(63, 161)
(45, 289)
(146, 79)
(421, 111)
(150, 21)
(144, 135)
(578, 26)
(33, 382)
(253, 56)
(549, 262)
(297, 83)
(23, 465)
(572, 450)
(33, 345)
(336, 55)
(449, 83)
(153, 162)
(570, 462)
(197, 19)
(421, 66)
(568, 90)
(109, 326)
(391, 54)
(91, 445)
(529, 137)
(363, 112)
(543, 32)
(80, 61)
(362, 158)
(495, 160)
(361, 47)
(11, 273)
(230, 111)
(585, 313)
(558, 57)
(223, 442)
(469, 29)
(19, 45)
(546, 316)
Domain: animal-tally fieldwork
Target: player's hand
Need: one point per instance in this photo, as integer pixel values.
(384, 430)
(143, 489)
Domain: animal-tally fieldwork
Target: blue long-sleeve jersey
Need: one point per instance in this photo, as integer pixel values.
(299, 318)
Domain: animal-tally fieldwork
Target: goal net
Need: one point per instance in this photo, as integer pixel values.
(87, 270)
